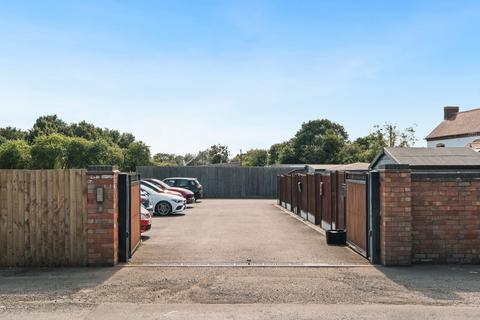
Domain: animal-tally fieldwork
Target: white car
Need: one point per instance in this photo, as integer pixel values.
(164, 203)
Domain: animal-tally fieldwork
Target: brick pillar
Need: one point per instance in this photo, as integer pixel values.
(395, 215)
(102, 223)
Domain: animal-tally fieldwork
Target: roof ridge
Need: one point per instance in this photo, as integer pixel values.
(466, 111)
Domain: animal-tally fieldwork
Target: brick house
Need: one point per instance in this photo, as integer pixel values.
(458, 129)
(429, 205)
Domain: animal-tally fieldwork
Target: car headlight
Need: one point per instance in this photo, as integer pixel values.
(178, 201)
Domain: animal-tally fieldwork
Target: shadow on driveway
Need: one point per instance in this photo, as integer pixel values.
(445, 283)
(48, 283)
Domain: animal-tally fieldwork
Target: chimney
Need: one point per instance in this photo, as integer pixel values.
(450, 112)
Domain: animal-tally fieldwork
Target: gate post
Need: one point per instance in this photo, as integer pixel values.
(374, 217)
(102, 227)
(395, 215)
(124, 217)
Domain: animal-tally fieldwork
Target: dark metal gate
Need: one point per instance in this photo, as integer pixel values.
(356, 212)
(128, 215)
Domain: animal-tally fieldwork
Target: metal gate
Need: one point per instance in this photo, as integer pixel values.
(356, 211)
(128, 215)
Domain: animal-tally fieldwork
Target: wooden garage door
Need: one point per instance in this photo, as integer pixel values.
(357, 212)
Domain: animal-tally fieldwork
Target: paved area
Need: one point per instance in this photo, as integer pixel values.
(76, 293)
(247, 292)
(128, 311)
(232, 231)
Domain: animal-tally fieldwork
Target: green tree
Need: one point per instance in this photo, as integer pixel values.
(274, 152)
(287, 154)
(47, 125)
(112, 136)
(125, 140)
(115, 156)
(218, 154)
(394, 137)
(163, 157)
(77, 154)
(15, 154)
(364, 149)
(11, 133)
(137, 154)
(188, 158)
(82, 153)
(50, 152)
(85, 130)
(168, 159)
(319, 141)
(255, 158)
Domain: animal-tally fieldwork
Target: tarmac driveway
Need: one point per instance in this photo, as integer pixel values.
(234, 232)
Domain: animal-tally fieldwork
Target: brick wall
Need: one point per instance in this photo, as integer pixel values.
(446, 220)
(395, 217)
(102, 219)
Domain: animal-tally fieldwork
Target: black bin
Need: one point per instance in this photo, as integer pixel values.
(337, 237)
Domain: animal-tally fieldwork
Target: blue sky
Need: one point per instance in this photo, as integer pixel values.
(183, 75)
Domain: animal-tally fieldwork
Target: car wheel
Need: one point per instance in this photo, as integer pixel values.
(163, 208)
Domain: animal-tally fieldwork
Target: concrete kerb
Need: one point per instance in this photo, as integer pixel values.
(248, 266)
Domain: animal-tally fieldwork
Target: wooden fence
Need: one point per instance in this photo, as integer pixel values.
(43, 218)
(330, 199)
(224, 182)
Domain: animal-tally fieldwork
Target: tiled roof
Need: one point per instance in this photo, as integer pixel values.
(434, 156)
(465, 123)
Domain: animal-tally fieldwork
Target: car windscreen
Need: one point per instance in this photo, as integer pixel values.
(147, 189)
(151, 186)
(162, 184)
(182, 183)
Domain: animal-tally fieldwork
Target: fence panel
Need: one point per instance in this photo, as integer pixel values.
(224, 182)
(43, 217)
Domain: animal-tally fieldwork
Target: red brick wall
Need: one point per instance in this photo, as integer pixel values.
(446, 221)
(102, 223)
(395, 217)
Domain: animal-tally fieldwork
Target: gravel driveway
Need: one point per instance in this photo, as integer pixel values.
(228, 231)
(234, 231)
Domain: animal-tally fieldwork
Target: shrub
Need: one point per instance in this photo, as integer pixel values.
(15, 154)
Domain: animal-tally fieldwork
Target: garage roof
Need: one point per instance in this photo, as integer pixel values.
(428, 157)
(357, 166)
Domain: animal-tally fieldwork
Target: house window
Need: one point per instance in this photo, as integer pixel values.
(440, 145)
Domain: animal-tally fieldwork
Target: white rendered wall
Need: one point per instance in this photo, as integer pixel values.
(453, 143)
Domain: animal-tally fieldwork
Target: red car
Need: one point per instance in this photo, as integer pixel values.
(187, 194)
(158, 189)
(145, 220)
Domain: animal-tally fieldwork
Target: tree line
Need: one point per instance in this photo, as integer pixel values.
(325, 142)
(51, 143)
